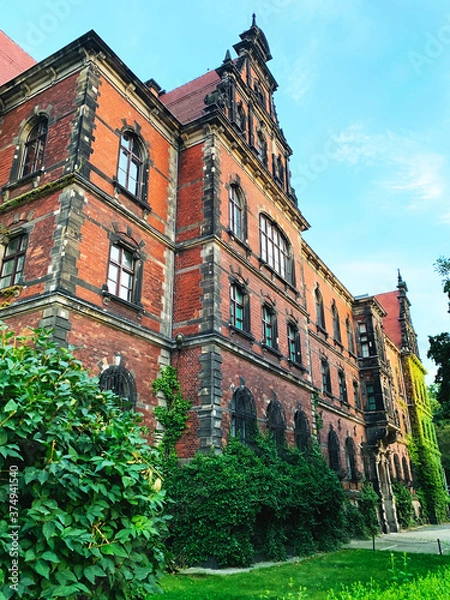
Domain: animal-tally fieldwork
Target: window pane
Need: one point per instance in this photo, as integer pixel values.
(115, 253)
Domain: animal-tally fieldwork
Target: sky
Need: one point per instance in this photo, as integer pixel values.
(363, 100)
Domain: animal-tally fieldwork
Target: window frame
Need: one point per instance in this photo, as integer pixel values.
(17, 256)
(326, 376)
(236, 212)
(302, 431)
(337, 337)
(243, 303)
(34, 145)
(294, 343)
(275, 249)
(269, 327)
(134, 293)
(244, 423)
(114, 376)
(320, 309)
(276, 422)
(343, 394)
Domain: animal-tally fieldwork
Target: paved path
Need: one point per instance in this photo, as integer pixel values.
(422, 539)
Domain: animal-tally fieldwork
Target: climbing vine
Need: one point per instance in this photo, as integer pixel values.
(174, 415)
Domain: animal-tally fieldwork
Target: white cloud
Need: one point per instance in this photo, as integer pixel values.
(410, 168)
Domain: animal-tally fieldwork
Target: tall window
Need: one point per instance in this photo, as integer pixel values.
(121, 272)
(302, 431)
(336, 323)
(356, 394)
(406, 475)
(350, 452)
(13, 260)
(371, 400)
(342, 387)
(242, 117)
(398, 469)
(239, 308)
(236, 215)
(243, 416)
(334, 452)
(326, 379)
(364, 340)
(274, 248)
(320, 312)
(269, 327)
(262, 148)
(350, 338)
(130, 169)
(121, 382)
(276, 421)
(33, 158)
(294, 350)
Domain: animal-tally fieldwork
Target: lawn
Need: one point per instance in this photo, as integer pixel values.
(317, 574)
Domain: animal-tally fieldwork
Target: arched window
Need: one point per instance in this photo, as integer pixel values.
(120, 381)
(334, 452)
(236, 212)
(125, 270)
(326, 378)
(320, 312)
(343, 396)
(336, 323)
(34, 148)
(275, 249)
(356, 394)
(243, 416)
(130, 167)
(350, 338)
(294, 349)
(262, 148)
(242, 118)
(276, 422)
(239, 307)
(406, 475)
(269, 327)
(398, 470)
(350, 452)
(302, 431)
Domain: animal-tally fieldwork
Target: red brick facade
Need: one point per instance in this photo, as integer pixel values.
(163, 229)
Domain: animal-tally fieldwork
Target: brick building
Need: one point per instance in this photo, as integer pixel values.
(152, 228)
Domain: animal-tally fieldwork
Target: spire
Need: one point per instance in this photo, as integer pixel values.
(227, 58)
(253, 20)
(401, 285)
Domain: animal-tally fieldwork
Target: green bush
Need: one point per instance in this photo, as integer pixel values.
(227, 507)
(368, 506)
(404, 505)
(88, 495)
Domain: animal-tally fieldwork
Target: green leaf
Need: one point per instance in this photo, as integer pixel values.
(92, 572)
(3, 437)
(51, 557)
(11, 406)
(62, 591)
(42, 568)
(114, 549)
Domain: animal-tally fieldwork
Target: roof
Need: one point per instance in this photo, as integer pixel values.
(13, 60)
(389, 301)
(187, 102)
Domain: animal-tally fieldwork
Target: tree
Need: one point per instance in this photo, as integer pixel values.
(439, 350)
(79, 482)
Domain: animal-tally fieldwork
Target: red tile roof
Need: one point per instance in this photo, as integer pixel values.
(187, 102)
(389, 301)
(13, 60)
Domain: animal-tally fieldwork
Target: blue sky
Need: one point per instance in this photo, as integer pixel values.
(363, 99)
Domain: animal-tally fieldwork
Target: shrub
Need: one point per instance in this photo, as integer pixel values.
(227, 507)
(404, 505)
(88, 496)
(368, 506)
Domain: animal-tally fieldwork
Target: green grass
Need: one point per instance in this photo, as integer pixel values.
(317, 574)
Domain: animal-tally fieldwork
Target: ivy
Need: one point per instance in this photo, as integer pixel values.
(174, 415)
(226, 508)
(403, 503)
(90, 519)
